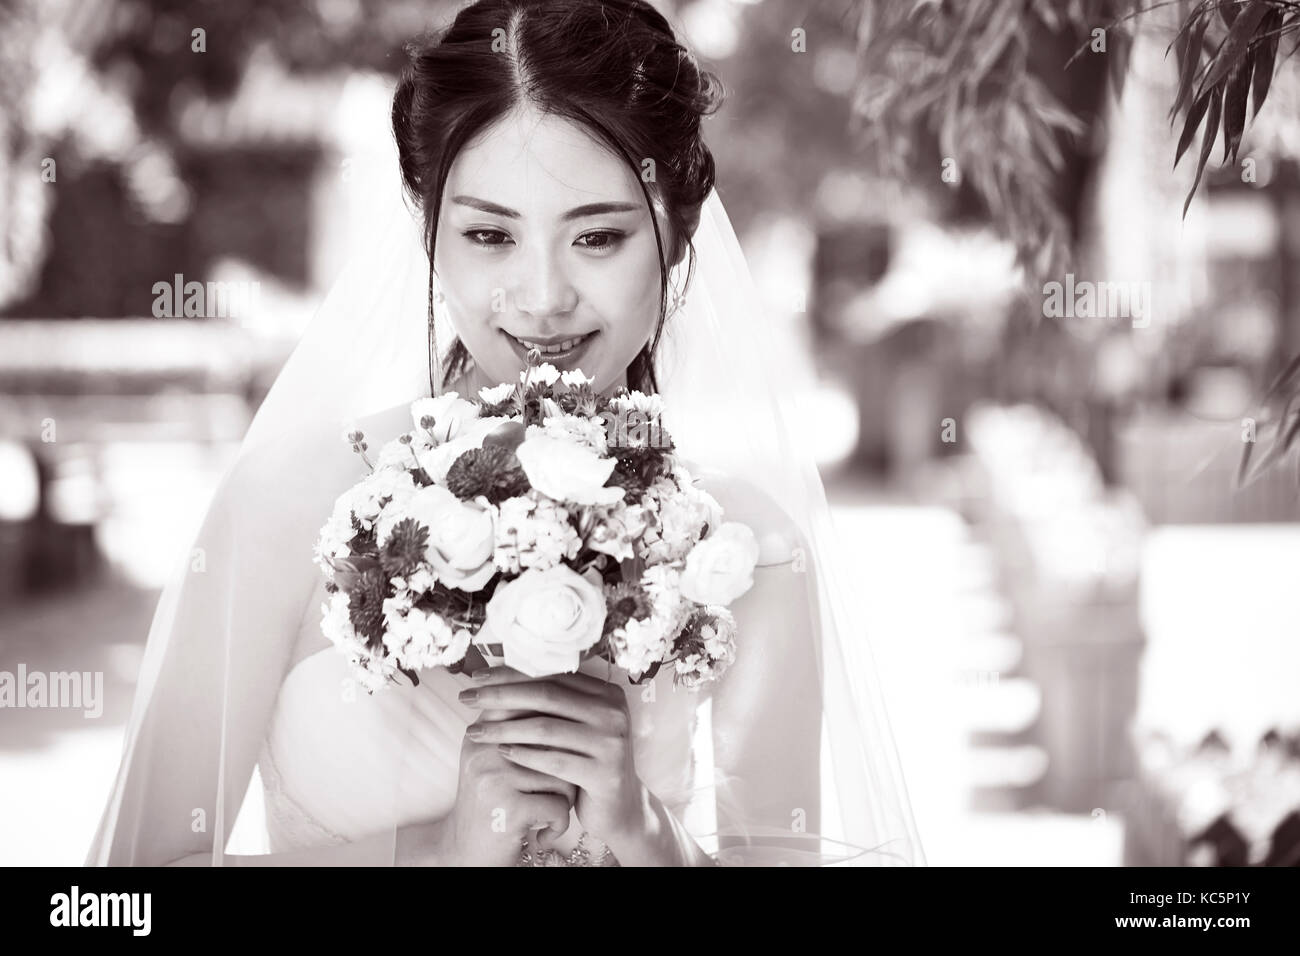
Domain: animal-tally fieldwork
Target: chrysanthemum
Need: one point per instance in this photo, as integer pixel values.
(366, 606)
(623, 602)
(403, 552)
(491, 471)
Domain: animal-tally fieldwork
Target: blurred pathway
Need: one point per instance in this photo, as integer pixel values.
(939, 631)
(57, 764)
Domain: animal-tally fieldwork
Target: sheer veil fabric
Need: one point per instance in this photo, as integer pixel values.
(794, 758)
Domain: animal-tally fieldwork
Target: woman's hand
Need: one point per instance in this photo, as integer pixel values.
(497, 802)
(573, 727)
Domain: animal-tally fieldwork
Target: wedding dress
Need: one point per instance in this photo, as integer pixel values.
(788, 759)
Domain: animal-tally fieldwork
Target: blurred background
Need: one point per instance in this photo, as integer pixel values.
(1055, 405)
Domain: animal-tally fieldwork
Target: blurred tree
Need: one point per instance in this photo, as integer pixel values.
(979, 87)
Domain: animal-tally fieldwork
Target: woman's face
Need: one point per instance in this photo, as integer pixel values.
(544, 238)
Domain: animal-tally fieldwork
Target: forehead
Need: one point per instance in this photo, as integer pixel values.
(541, 165)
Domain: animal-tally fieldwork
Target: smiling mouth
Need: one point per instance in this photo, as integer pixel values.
(556, 350)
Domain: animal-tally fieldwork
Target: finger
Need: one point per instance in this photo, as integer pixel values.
(543, 731)
(527, 780)
(547, 697)
(546, 810)
(501, 713)
(577, 769)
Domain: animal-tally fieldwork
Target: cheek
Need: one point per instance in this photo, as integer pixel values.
(468, 287)
(633, 296)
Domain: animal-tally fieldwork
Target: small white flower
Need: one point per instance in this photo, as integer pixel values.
(496, 394)
(638, 645)
(421, 580)
(649, 406)
(424, 639)
(533, 531)
(338, 530)
(451, 415)
(395, 455)
(546, 373)
(336, 624)
(369, 493)
(575, 377)
(615, 530)
(698, 667)
(586, 431)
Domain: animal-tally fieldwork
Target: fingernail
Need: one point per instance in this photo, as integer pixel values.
(474, 732)
(468, 696)
(504, 748)
(481, 674)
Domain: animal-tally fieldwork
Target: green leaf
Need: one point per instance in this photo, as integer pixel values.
(1291, 432)
(1265, 56)
(1188, 64)
(1211, 129)
(1194, 116)
(1236, 92)
(1283, 377)
(1232, 52)
(1120, 48)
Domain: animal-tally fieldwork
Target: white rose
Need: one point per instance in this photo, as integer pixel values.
(566, 471)
(720, 568)
(546, 619)
(461, 537)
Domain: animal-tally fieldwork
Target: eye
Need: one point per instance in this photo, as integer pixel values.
(486, 237)
(605, 240)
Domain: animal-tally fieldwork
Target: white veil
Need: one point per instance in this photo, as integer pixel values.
(731, 405)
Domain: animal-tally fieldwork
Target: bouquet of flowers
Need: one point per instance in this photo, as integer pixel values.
(539, 524)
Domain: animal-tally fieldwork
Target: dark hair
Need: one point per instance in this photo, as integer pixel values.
(612, 65)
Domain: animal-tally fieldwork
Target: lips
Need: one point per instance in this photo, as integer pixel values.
(564, 354)
(552, 347)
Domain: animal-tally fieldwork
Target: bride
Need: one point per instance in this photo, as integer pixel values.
(553, 151)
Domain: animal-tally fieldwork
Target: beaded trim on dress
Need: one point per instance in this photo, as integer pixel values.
(580, 855)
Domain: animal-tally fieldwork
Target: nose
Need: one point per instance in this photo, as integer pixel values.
(544, 290)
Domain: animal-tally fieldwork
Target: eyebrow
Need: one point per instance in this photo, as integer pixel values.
(590, 209)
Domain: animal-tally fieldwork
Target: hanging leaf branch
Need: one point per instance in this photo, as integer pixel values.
(966, 80)
(1227, 53)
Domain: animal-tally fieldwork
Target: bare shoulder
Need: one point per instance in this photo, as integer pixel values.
(779, 536)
